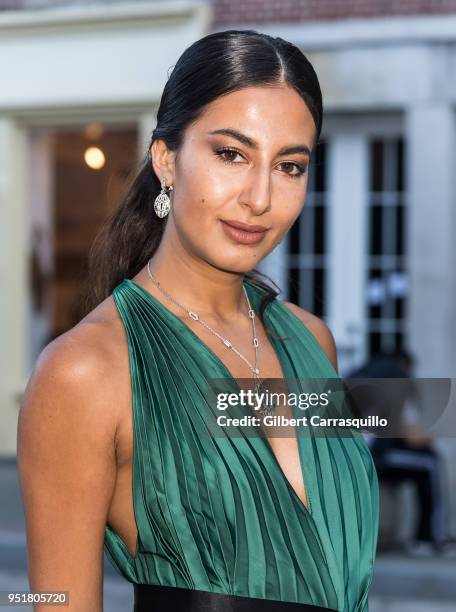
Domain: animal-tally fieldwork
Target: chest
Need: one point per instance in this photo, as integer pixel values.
(284, 445)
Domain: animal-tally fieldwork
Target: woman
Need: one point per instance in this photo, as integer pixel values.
(112, 444)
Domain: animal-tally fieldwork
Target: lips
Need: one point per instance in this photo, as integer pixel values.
(237, 232)
(245, 226)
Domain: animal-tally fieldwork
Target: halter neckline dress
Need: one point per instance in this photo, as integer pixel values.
(218, 513)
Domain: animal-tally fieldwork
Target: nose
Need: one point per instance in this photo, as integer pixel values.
(256, 191)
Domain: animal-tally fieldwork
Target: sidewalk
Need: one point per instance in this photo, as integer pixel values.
(404, 584)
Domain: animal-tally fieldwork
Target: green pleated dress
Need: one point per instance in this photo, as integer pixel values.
(217, 513)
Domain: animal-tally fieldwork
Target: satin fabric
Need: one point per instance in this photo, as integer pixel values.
(217, 513)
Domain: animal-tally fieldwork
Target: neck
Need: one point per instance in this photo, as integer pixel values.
(210, 292)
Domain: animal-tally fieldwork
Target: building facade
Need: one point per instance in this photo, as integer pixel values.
(373, 252)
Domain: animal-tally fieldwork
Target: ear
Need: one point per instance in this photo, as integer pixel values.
(163, 161)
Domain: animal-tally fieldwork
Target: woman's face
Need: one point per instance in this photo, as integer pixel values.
(234, 166)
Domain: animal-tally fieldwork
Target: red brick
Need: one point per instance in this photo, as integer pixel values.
(269, 11)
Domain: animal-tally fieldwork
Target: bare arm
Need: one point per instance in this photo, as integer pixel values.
(67, 471)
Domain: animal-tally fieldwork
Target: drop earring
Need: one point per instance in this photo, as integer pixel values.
(162, 202)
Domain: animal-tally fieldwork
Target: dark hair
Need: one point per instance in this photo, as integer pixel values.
(215, 65)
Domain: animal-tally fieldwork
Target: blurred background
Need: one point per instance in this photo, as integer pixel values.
(373, 252)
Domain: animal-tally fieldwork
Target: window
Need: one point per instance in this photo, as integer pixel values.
(307, 260)
(387, 281)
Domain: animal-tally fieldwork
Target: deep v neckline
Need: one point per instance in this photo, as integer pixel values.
(283, 365)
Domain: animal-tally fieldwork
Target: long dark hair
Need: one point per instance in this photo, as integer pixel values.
(217, 64)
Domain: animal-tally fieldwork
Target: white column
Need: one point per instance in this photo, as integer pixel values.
(146, 125)
(13, 279)
(40, 237)
(431, 163)
(347, 193)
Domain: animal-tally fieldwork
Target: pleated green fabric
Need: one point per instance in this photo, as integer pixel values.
(218, 513)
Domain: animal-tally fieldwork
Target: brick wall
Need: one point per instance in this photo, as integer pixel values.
(264, 11)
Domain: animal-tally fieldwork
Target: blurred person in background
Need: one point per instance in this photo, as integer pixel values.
(412, 457)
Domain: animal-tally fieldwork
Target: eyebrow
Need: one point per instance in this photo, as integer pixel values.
(249, 142)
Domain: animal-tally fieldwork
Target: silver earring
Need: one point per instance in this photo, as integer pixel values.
(162, 202)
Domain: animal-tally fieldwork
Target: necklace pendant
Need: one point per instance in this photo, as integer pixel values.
(227, 343)
(268, 406)
(193, 315)
(267, 410)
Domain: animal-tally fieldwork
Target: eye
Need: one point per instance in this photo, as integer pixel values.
(232, 153)
(300, 169)
(228, 155)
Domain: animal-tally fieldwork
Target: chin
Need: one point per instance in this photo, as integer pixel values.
(235, 267)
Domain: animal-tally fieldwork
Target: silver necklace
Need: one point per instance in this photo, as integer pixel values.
(266, 408)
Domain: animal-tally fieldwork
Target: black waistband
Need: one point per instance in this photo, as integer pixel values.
(156, 598)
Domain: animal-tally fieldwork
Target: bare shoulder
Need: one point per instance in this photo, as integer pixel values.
(85, 361)
(319, 329)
